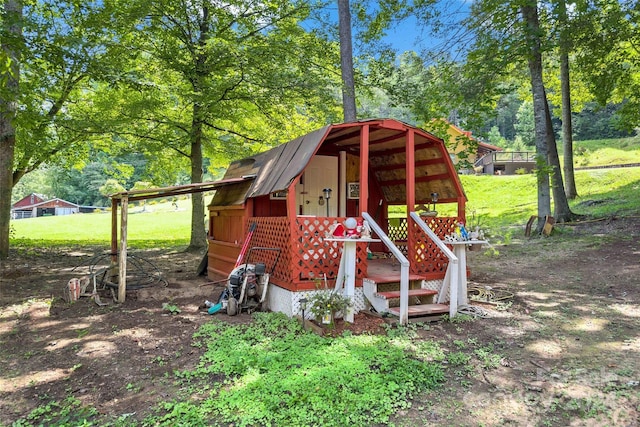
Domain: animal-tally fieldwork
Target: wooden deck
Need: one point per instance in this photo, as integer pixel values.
(387, 271)
(412, 293)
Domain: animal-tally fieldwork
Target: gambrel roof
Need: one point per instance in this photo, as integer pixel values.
(275, 170)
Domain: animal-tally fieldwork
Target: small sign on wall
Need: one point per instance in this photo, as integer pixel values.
(353, 190)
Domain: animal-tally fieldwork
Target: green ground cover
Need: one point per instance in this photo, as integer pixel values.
(498, 202)
(156, 224)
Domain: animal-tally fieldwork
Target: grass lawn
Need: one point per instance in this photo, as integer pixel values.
(156, 224)
(607, 152)
(501, 201)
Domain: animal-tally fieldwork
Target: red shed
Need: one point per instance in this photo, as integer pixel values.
(368, 165)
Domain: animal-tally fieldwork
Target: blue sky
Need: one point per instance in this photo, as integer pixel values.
(414, 33)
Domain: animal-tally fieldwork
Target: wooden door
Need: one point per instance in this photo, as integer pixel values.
(321, 173)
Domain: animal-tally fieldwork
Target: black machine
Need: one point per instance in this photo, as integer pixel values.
(247, 284)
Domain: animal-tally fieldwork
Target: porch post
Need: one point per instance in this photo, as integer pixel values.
(248, 210)
(410, 173)
(342, 166)
(292, 209)
(364, 170)
(462, 209)
(292, 213)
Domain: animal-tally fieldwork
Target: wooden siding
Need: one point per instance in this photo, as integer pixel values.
(264, 206)
(221, 258)
(227, 225)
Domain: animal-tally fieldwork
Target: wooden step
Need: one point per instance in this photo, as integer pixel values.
(412, 293)
(422, 310)
(392, 277)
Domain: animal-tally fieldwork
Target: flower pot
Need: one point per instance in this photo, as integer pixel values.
(327, 319)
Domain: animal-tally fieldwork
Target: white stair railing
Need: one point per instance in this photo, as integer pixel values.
(451, 276)
(404, 267)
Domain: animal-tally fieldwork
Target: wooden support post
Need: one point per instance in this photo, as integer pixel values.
(292, 212)
(410, 167)
(461, 209)
(122, 282)
(342, 176)
(114, 231)
(364, 170)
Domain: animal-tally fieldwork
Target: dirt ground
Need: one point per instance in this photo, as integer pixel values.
(562, 349)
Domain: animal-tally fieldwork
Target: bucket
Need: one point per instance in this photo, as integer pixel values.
(74, 289)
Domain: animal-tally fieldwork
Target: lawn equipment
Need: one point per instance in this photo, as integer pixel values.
(247, 284)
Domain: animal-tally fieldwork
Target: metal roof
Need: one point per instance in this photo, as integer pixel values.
(152, 193)
(276, 169)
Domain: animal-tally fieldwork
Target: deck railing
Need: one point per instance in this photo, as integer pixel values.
(506, 157)
(452, 265)
(305, 257)
(273, 232)
(404, 267)
(514, 156)
(313, 257)
(426, 258)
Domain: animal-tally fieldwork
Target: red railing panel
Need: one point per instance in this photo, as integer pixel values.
(312, 257)
(425, 258)
(272, 232)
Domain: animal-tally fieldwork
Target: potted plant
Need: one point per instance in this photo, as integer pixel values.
(325, 303)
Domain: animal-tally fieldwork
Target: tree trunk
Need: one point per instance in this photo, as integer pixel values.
(346, 62)
(530, 15)
(567, 128)
(12, 20)
(198, 235)
(561, 210)
(565, 87)
(7, 149)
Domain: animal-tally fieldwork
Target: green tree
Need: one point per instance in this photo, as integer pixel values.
(79, 186)
(597, 122)
(507, 35)
(36, 182)
(10, 43)
(506, 114)
(111, 186)
(608, 57)
(546, 149)
(525, 125)
(495, 138)
(224, 80)
(81, 183)
(59, 47)
(565, 46)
